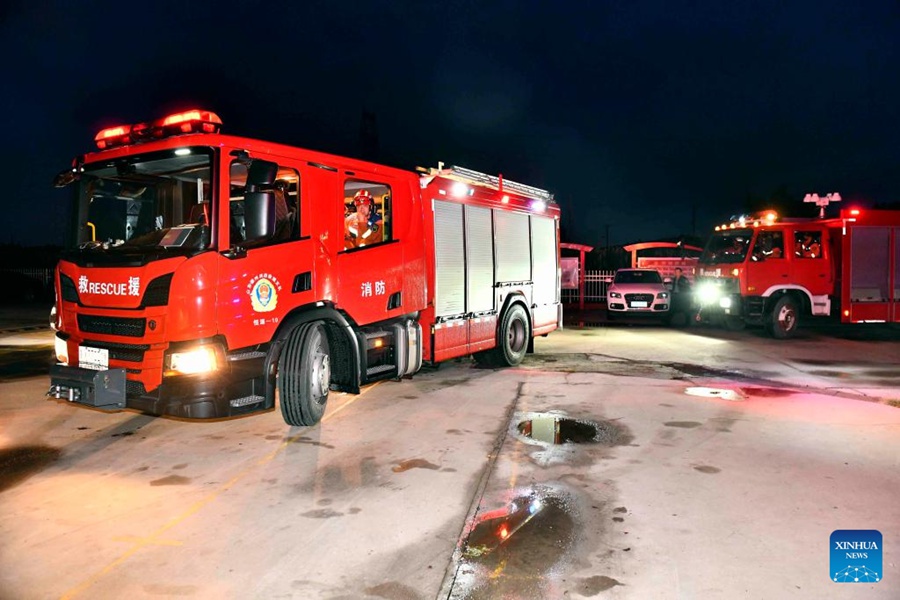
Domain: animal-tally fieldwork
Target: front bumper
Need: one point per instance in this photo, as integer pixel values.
(237, 389)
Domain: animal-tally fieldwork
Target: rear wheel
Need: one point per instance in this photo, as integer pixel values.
(784, 318)
(304, 374)
(512, 340)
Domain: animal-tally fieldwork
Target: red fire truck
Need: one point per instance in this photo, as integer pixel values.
(208, 271)
(768, 271)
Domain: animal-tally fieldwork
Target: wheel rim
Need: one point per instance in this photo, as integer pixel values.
(320, 376)
(516, 335)
(787, 317)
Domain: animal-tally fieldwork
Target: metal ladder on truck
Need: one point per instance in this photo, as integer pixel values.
(496, 182)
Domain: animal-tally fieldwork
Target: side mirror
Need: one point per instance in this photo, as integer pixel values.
(259, 215)
(64, 178)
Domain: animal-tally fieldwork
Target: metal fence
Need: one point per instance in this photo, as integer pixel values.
(44, 275)
(595, 284)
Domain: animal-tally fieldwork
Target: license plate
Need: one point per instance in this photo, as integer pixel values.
(93, 358)
(639, 304)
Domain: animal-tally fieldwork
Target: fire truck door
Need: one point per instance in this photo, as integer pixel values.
(370, 265)
(269, 276)
(810, 265)
(767, 266)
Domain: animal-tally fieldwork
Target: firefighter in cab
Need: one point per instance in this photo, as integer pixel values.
(363, 227)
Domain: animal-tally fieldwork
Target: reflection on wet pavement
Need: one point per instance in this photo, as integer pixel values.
(519, 549)
(557, 430)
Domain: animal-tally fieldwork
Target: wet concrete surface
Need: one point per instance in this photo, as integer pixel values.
(418, 489)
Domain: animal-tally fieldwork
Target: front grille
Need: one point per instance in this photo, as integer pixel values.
(128, 327)
(630, 298)
(127, 352)
(157, 293)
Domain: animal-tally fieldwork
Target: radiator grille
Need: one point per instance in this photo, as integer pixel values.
(128, 327)
(157, 293)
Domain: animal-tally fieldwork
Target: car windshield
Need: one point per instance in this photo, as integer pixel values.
(638, 277)
(146, 202)
(727, 247)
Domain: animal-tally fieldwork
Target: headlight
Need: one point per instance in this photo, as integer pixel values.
(708, 293)
(662, 295)
(62, 350)
(615, 295)
(201, 359)
(725, 302)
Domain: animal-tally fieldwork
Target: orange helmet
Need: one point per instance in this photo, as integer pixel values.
(363, 196)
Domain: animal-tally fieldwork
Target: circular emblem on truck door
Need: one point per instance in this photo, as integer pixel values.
(264, 295)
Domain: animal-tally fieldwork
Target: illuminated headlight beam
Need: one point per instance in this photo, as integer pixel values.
(708, 293)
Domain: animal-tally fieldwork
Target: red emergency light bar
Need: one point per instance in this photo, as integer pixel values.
(767, 217)
(191, 121)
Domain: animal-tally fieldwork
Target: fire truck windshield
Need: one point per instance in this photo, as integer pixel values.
(146, 203)
(727, 247)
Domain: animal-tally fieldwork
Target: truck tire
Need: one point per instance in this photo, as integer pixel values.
(512, 339)
(784, 318)
(304, 375)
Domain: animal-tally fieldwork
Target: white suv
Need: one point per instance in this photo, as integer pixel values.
(638, 292)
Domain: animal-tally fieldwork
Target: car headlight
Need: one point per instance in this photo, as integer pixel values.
(615, 295)
(662, 295)
(200, 359)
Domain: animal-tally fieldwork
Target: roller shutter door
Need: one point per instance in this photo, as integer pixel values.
(513, 248)
(450, 277)
(543, 246)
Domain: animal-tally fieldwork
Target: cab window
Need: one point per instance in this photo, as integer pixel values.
(808, 244)
(769, 244)
(367, 214)
(285, 185)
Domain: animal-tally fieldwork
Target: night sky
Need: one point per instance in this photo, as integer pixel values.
(649, 119)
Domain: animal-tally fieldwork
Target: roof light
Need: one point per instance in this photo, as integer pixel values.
(182, 152)
(113, 136)
(191, 121)
(459, 189)
(505, 199)
(854, 212)
(538, 206)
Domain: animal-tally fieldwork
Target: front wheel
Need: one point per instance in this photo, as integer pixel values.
(304, 375)
(784, 319)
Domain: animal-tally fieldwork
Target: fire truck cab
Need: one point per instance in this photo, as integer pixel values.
(208, 272)
(763, 270)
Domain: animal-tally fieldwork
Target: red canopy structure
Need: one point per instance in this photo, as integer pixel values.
(582, 250)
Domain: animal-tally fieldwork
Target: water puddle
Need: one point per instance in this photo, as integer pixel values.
(554, 429)
(507, 550)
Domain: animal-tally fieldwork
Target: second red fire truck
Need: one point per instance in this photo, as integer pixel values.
(210, 271)
(764, 270)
